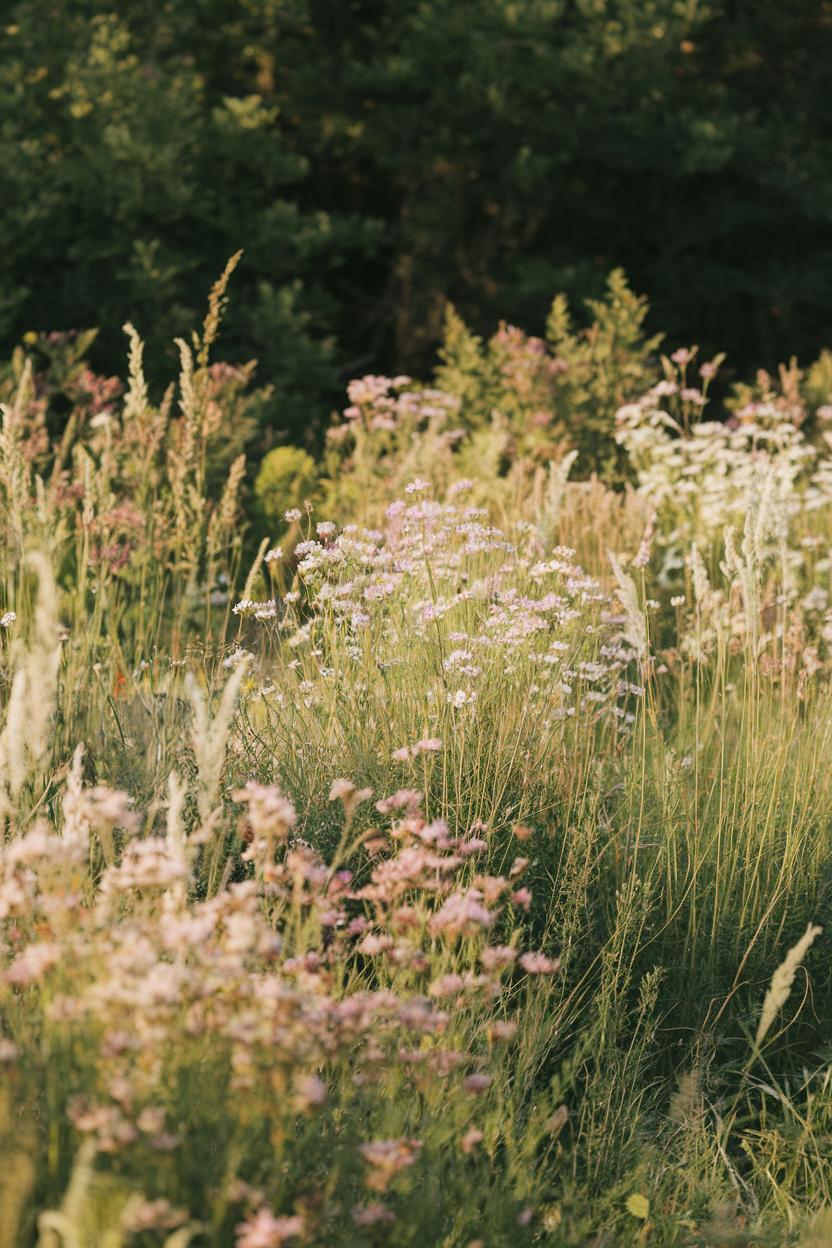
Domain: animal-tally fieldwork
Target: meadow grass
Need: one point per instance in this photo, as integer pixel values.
(434, 878)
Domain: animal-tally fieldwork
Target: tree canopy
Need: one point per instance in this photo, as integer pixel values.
(378, 160)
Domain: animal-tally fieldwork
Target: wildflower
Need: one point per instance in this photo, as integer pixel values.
(538, 964)
(461, 697)
(409, 799)
(31, 965)
(662, 389)
(462, 913)
(447, 986)
(7, 619)
(342, 789)
(238, 655)
(310, 1092)
(683, 355)
(270, 814)
(477, 1083)
(495, 956)
(472, 1137)
(292, 515)
(273, 555)
(474, 845)
(151, 1215)
(264, 1230)
(387, 1158)
(373, 944)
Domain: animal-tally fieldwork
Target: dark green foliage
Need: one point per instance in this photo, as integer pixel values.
(377, 160)
(137, 140)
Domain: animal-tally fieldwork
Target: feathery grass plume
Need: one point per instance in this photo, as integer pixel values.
(634, 631)
(176, 803)
(32, 700)
(74, 823)
(223, 523)
(550, 505)
(685, 1104)
(216, 307)
(91, 1211)
(175, 833)
(143, 426)
(642, 557)
(135, 400)
(743, 569)
(15, 470)
(781, 982)
(701, 584)
(764, 520)
(209, 737)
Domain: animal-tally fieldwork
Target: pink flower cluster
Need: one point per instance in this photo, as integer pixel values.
(298, 990)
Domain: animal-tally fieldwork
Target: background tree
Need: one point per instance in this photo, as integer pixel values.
(377, 160)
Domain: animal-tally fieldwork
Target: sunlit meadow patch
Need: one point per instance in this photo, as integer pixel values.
(419, 880)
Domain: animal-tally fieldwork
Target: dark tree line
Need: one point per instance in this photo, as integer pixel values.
(377, 159)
